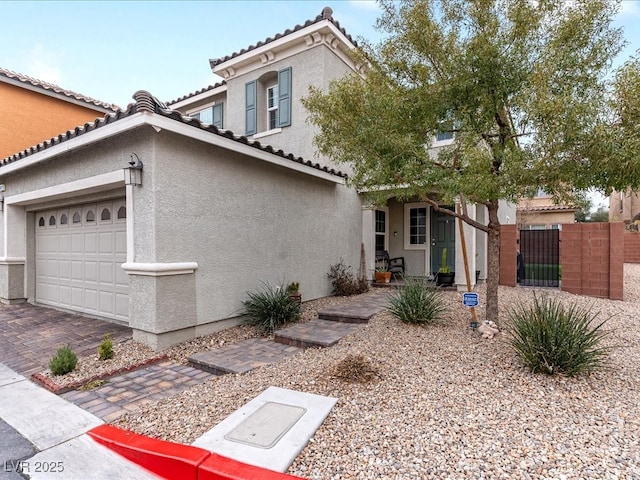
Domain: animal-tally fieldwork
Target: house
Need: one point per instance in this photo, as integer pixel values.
(542, 213)
(32, 110)
(625, 207)
(162, 216)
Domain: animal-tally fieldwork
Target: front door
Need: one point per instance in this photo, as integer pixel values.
(443, 235)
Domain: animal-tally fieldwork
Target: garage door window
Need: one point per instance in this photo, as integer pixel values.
(63, 219)
(105, 215)
(77, 218)
(122, 213)
(91, 217)
(52, 220)
(41, 222)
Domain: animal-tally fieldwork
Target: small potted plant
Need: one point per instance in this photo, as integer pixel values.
(445, 276)
(293, 290)
(382, 275)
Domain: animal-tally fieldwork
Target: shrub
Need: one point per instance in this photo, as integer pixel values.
(64, 361)
(551, 338)
(355, 368)
(344, 281)
(416, 302)
(105, 349)
(270, 308)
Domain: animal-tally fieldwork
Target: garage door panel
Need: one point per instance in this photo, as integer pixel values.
(90, 243)
(106, 272)
(77, 243)
(121, 243)
(79, 266)
(91, 271)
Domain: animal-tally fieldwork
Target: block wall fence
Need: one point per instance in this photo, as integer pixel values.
(592, 256)
(631, 247)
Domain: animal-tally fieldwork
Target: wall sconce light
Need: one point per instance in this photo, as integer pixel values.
(133, 173)
(395, 234)
(2, 189)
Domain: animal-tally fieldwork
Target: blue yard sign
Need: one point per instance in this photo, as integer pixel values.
(470, 299)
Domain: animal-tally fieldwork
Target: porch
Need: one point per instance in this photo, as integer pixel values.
(427, 240)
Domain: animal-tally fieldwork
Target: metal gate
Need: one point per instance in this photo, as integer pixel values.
(539, 258)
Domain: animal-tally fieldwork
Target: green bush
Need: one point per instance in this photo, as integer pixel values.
(344, 281)
(105, 349)
(416, 302)
(551, 338)
(270, 308)
(64, 361)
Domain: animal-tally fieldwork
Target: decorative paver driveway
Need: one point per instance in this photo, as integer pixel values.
(30, 335)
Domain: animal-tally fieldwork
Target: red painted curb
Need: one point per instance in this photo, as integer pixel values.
(217, 467)
(174, 461)
(171, 461)
(52, 386)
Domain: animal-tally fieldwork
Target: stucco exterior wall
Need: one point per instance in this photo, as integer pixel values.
(316, 66)
(28, 118)
(245, 222)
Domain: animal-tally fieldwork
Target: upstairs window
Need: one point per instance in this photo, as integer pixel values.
(444, 136)
(268, 102)
(272, 107)
(212, 115)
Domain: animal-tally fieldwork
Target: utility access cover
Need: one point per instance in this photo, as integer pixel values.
(264, 427)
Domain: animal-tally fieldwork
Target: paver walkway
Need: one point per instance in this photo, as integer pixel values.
(332, 324)
(31, 335)
(130, 391)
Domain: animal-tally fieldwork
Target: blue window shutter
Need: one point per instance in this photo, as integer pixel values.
(217, 115)
(284, 100)
(251, 118)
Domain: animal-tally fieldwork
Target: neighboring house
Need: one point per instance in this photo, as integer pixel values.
(541, 213)
(230, 195)
(624, 206)
(32, 110)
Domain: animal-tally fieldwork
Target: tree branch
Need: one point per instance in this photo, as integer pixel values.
(465, 218)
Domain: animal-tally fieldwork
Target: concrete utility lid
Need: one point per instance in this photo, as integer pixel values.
(264, 427)
(271, 430)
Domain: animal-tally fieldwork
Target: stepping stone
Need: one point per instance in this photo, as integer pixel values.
(242, 357)
(316, 333)
(356, 312)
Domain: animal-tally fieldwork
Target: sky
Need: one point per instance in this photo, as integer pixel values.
(110, 49)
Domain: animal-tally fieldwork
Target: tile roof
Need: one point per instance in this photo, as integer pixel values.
(547, 208)
(202, 90)
(144, 101)
(55, 89)
(327, 14)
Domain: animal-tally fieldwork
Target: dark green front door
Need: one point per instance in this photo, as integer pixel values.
(443, 235)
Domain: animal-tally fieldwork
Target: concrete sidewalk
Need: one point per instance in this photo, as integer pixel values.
(55, 428)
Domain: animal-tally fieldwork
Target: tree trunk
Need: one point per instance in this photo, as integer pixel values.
(493, 261)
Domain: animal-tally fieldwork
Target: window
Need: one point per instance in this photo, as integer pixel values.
(91, 217)
(76, 217)
(41, 222)
(122, 213)
(418, 226)
(272, 107)
(63, 219)
(105, 215)
(211, 115)
(52, 220)
(269, 99)
(444, 136)
(381, 230)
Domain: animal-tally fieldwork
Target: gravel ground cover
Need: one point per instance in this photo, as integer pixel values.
(446, 403)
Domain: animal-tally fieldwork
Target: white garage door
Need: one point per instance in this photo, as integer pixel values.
(79, 251)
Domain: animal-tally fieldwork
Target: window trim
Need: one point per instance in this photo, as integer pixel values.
(407, 228)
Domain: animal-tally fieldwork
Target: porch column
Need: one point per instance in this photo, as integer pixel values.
(470, 240)
(12, 262)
